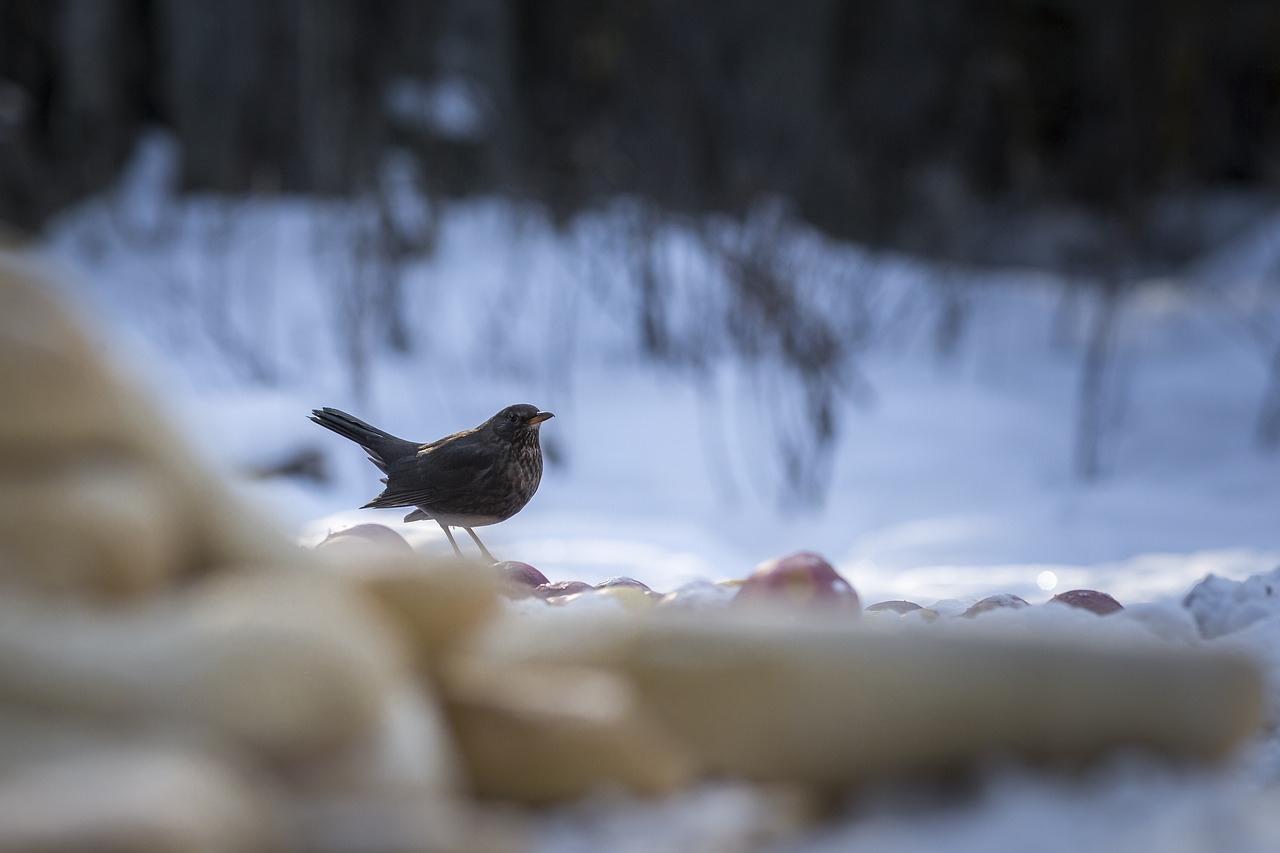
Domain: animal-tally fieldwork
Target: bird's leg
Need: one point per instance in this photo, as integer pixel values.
(456, 549)
(483, 550)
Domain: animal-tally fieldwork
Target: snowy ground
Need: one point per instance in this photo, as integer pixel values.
(953, 482)
(954, 479)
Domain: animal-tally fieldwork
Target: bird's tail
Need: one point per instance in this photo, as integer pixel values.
(382, 447)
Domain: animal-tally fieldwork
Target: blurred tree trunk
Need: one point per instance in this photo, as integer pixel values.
(286, 93)
(1093, 399)
(1268, 424)
(69, 76)
(856, 112)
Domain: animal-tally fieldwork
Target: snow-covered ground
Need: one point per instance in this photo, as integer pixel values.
(951, 479)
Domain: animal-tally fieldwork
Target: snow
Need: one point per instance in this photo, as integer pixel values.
(450, 107)
(955, 481)
(951, 478)
(1129, 805)
(1222, 606)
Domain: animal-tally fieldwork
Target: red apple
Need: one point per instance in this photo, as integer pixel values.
(365, 537)
(519, 580)
(1088, 599)
(898, 607)
(995, 602)
(802, 578)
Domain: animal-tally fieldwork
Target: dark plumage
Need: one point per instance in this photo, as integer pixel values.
(469, 479)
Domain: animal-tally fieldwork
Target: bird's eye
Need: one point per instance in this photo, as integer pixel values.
(513, 417)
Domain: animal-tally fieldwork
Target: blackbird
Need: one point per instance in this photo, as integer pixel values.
(469, 479)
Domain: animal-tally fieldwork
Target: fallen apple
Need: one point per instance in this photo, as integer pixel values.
(519, 580)
(366, 536)
(995, 602)
(1088, 599)
(896, 606)
(803, 578)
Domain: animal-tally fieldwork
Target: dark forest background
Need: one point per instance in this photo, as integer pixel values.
(1110, 142)
(892, 122)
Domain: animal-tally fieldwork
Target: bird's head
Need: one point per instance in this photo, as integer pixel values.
(520, 419)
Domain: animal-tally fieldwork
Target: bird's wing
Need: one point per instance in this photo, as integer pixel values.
(439, 472)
